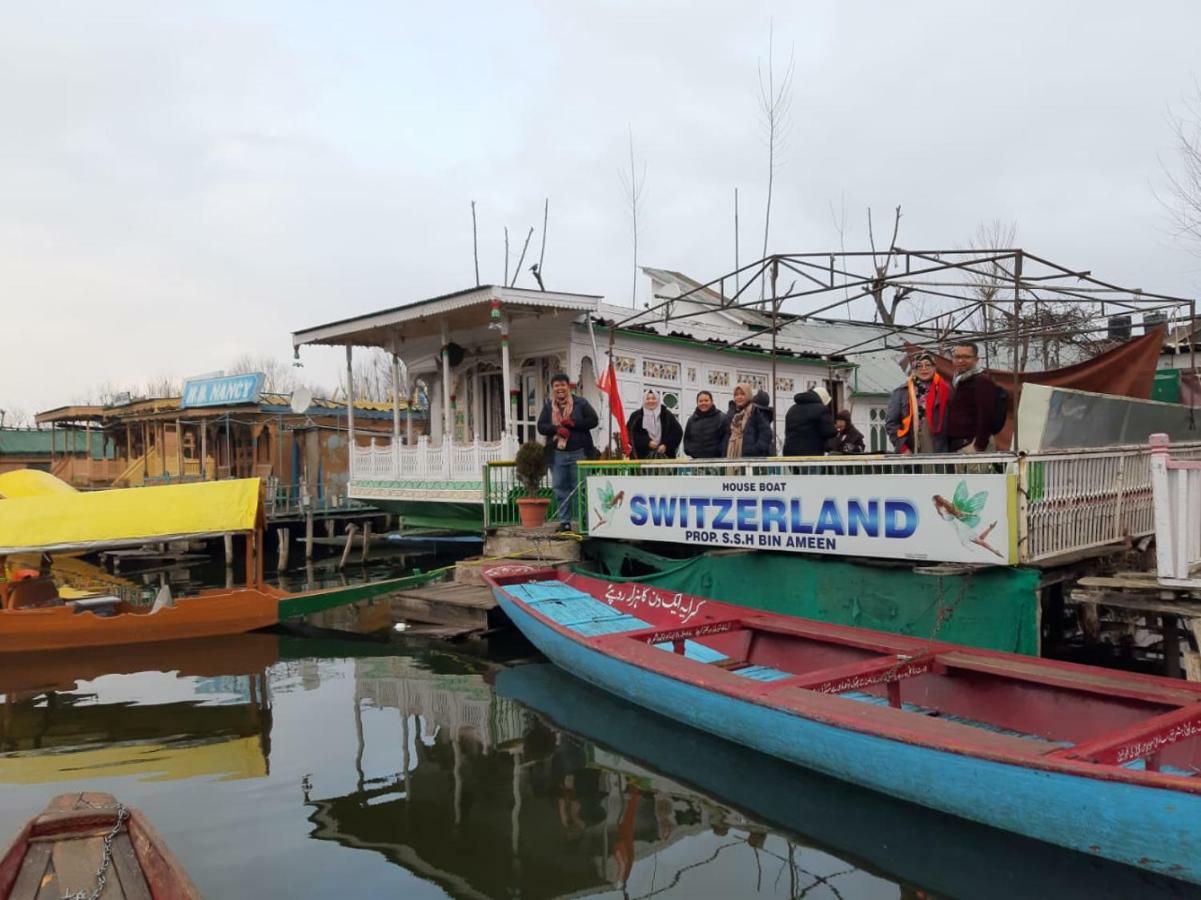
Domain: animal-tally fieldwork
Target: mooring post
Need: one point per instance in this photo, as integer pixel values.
(229, 550)
(308, 532)
(366, 538)
(351, 528)
(283, 536)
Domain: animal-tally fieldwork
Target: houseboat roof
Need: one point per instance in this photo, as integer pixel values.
(424, 318)
(269, 403)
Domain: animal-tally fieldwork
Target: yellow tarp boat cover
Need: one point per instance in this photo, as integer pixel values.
(32, 483)
(229, 760)
(129, 517)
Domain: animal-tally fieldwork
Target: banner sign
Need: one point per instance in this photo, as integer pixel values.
(935, 518)
(224, 391)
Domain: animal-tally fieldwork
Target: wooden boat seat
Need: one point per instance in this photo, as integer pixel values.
(844, 712)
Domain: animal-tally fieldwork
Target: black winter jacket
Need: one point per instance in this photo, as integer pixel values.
(583, 419)
(849, 441)
(757, 437)
(705, 434)
(641, 441)
(808, 426)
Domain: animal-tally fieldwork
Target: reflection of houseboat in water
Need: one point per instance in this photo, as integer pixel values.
(54, 727)
(487, 800)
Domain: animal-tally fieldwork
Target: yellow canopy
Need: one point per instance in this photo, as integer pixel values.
(128, 517)
(229, 759)
(32, 483)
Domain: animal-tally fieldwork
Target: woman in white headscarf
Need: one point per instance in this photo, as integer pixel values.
(655, 432)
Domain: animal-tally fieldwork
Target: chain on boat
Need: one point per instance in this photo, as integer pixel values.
(106, 856)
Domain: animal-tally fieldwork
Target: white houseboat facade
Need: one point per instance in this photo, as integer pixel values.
(487, 354)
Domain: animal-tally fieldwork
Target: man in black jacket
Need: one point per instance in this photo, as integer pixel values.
(808, 426)
(567, 421)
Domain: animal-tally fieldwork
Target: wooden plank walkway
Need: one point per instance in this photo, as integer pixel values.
(447, 603)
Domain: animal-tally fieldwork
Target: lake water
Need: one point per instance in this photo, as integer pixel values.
(278, 766)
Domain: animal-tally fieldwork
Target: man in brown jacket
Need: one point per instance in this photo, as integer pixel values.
(973, 403)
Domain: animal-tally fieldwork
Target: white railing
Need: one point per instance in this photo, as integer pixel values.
(1075, 502)
(428, 462)
(1176, 487)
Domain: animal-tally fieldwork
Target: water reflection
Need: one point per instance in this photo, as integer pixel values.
(52, 730)
(474, 792)
(289, 756)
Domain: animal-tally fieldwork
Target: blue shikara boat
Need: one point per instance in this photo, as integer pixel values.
(1102, 762)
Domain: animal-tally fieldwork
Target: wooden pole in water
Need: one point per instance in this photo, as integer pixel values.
(366, 538)
(308, 530)
(283, 536)
(229, 550)
(351, 528)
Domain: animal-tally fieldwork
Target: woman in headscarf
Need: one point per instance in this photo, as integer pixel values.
(847, 438)
(750, 424)
(655, 432)
(706, 431)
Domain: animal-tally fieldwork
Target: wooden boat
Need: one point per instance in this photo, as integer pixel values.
(34, 616)
(874, 831)
(61, 852)
(1102, 762)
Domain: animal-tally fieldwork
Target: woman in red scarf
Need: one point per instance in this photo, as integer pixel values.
(916, 419)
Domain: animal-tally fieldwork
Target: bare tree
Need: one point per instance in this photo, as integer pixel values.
(881, 263)
(632, 184)
(1183, 200)
(161, 386)
(990, 278)
(15, 418)
(840, 225)
(279, 377)
(373, 377)
(775, 101)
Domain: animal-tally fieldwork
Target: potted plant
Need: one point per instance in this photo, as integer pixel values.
(531, 468)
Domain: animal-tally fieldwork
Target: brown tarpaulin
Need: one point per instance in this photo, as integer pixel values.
(1125, 371)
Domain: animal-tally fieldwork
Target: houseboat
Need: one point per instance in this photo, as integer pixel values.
(228, 427)
(488, 353)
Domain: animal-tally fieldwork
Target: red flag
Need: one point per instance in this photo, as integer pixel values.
(608, 384)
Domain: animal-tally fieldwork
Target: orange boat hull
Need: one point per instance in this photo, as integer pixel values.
(208, 615)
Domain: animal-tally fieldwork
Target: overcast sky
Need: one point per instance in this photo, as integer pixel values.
(184, 183)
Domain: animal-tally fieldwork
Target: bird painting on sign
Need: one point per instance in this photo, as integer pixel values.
(963, 512)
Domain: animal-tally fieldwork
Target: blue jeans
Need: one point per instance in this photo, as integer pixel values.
(563, 477)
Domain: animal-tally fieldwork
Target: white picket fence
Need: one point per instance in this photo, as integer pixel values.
(427, 462)
(1176, 483)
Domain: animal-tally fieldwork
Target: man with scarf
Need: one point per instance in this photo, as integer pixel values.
(973, 403)
(916, 417)
(567, 421)
(654, 432)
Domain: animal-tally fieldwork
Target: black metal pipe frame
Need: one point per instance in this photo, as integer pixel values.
(967, 261)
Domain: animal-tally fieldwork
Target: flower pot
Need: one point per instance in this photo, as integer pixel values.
(533, 511)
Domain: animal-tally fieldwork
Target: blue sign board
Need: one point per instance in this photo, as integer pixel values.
(225, 391)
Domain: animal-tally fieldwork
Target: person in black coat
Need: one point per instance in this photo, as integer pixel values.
(808, 426)
(847, 438)
(707, 429)
(750, 424)
(655, 432)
